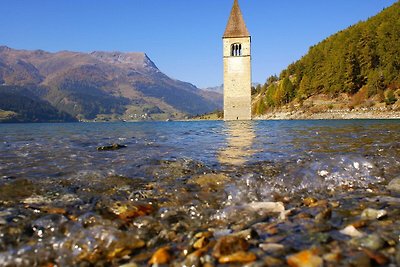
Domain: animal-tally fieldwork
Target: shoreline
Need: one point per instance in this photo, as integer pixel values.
(278, 115)
(330, 115)
(327, 115)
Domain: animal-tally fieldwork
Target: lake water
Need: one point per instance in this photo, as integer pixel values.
(58, 192)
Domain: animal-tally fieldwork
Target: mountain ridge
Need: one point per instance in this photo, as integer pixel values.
(89, 85)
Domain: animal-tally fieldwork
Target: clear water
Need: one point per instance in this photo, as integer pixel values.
(367, 149)
(47, 166)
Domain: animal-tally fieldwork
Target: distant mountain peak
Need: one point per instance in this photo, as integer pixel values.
(136, 60)
(4, 48)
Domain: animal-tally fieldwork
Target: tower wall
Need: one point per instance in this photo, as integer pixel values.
(237, 79)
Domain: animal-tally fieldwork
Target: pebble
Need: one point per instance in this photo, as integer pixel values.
(324, 214)
(131, 264)
(398, 255)
(246, 234)
(376, 256)
(359, 259)
(309, 200)
(238, 257)
(306, 258)
(372, 214)
(351, 231)
(53, 210)
(203, 234)
(200, 243)
(332, 256)
(192, 260)
(394, 185)
(272, 247)
(267, 207)
(111, 147)
(229, 245)
(271, 261)
(212, 180)
(128, 210)
(161, 256)
(373, 242)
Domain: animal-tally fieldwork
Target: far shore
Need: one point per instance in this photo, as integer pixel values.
(330, 115)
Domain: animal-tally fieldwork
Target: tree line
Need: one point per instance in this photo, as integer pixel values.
(364, 56)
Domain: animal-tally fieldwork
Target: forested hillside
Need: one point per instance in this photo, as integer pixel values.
(361, 61)
(18, 104)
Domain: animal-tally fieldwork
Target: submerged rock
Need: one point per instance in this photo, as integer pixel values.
(376, 256)
(229, 245)
(394, 185)
(200, 243)
(238, 257)
(351, 231)
(211, 181)
(266, 207)
(17, 190)
(272, 248)
(114, 146)
(398, 255)
(359, 259)
(373, 242)
(161, 256)
(125, 210)
(306, 258)
(372, 214)
(272, 262)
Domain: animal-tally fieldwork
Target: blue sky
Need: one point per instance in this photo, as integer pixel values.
(183, 37)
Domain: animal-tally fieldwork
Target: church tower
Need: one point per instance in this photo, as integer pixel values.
(237, 67)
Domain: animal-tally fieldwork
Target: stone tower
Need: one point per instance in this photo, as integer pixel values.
(237, 67)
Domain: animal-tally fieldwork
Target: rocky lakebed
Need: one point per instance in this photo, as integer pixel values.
(302, 210)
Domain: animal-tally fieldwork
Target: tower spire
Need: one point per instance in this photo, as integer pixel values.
(236, 26)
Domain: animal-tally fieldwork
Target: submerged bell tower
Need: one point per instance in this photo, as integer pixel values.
(237, 67)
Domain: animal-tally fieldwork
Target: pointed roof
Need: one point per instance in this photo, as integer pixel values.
(236, 26)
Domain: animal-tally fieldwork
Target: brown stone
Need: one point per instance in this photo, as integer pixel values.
(271, 261)
(333, 256)
(306, 258)
(359, 224)
(200, 243)
(53, 210)
(130, 212)
(238, 257)
(204, 234)
(229, 245)
(320, 203)
(326, 213)
(376, 256)
(309, 200)
(272, 247)
(161, 256)
(211, 180)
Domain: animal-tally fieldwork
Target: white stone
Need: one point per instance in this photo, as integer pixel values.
(372, 214)
(351, 231)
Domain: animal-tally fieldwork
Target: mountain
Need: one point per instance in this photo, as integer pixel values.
(21, 105)
(361, 62)
(101, 85)
(216, 89)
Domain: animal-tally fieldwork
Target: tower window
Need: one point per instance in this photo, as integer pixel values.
(236, 50)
